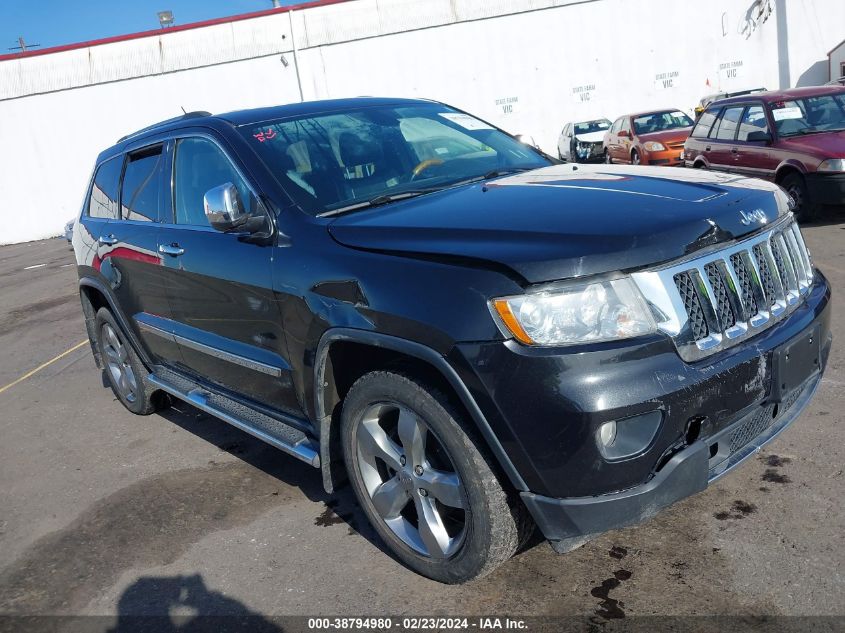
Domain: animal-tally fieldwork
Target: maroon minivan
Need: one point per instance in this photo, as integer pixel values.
(794, 137)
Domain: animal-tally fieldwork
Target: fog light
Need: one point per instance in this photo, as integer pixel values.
(621, 439)
(607, 433)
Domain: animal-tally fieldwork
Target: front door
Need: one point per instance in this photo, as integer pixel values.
(226, 320)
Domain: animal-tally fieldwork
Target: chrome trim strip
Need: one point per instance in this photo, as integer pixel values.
(235, 359)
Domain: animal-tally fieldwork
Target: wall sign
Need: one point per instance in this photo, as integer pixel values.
(731, 70)
(667, 80)
(583, 94)
(508, 105)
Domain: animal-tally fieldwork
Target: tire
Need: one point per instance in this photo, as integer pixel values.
(608, 160)
(795, 185)
(123, 369)
(464, 543)
(635, 158)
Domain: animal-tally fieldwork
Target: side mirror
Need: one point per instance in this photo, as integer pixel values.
(759, 137)
(224, 207)
(624, 133)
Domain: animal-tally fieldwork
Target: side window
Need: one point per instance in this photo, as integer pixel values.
(728, 123)
(103, 201)
(754, 120)
(617, 125)
(200, 165)
(139, 196)
(625, 124)
(705, 122)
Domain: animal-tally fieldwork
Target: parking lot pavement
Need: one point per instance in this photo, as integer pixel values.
(104, 512)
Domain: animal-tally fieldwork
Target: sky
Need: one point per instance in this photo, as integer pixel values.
(55, 22)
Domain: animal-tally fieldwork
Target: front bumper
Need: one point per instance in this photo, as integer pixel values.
(567, 523)
(547, 405)
(669, 157)
(826, 188)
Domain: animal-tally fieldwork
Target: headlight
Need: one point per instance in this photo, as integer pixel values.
(654, 146)
(832, 164)
(583, 313)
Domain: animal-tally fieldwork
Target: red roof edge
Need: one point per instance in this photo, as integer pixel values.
(170, 29)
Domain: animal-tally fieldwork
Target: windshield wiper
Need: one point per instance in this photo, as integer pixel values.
(375, 202)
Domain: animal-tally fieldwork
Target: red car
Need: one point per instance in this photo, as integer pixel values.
(648, 138)
(795, 138)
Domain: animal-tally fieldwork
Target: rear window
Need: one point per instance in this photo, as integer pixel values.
(142, 185)
(103, 200)
(705, 122)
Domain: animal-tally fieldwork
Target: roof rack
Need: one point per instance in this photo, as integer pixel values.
(188, 115)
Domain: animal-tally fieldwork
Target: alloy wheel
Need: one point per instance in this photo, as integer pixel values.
(117, 362)
(411, 481)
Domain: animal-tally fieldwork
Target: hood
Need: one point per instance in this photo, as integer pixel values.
(678, 135)
(821, 145)
(568, 220)
(591, 137)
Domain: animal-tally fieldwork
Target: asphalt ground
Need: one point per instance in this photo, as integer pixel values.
(107, 513)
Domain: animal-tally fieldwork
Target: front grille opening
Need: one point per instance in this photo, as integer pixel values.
(692, 305)
(765, 275)
(724, 310)
(746, 288)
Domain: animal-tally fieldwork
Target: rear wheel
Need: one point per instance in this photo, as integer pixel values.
(796, 187)
(124, 370)
(427, 488)
(607, 158)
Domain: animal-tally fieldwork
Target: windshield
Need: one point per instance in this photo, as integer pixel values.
(371, 155)
(592, 126)
(810, 115)
(661, 121)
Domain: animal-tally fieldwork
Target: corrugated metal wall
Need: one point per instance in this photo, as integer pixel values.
(527, 65)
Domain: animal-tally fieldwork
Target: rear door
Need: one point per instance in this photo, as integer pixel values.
(754, 157)
(723, 138)
(225, 316)
(129, 260)
(565, 142)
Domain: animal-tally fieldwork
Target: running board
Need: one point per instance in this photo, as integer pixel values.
(276, 433)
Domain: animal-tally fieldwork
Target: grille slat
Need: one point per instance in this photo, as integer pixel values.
(724, 309)
(746, 288)
(692, 304)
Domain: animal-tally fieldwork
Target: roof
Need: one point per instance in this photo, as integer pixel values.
(830, 52)
(254, 115)
(257, 115)
(170, 29)
(782, 95)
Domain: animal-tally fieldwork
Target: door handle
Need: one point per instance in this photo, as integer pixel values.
(107, 240)
(734, 151)
(170, 249)
(707, 149)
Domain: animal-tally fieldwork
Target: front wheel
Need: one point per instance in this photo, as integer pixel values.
(635, 158)
(426, 486)
(796, 187)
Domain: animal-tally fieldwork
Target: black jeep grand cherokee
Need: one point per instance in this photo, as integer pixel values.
(487, 341)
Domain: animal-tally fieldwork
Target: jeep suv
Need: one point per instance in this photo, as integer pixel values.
(795, 138)
(480, 340)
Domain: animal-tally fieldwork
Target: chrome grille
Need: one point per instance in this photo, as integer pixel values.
(713, 301)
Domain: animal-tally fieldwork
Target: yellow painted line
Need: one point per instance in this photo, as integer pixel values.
(42, 366)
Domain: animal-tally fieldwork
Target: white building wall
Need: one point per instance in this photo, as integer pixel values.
(526, 65)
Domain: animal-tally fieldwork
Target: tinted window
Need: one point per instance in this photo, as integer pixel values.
(139, 196)
(705, 122)
(754, 120)
(728, 123)
(200, 165)
(103, 201)
(342, 159)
